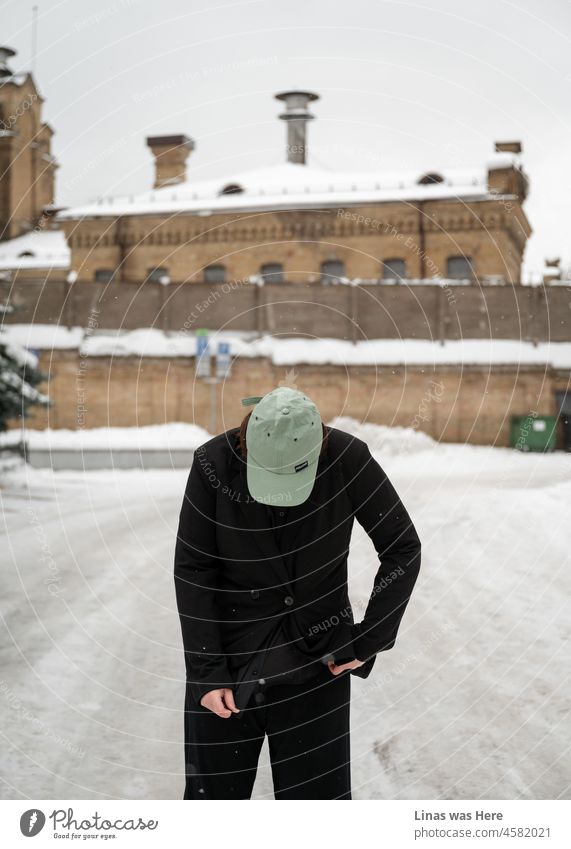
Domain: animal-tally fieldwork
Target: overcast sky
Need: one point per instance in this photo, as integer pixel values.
(423, 85)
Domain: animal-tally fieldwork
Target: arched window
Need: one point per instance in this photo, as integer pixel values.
(459, 268)
(157, 275)
(332, 270)
(272, 272)
(103, 275)
(394, 269)
(430, 178)
(215, 274)
(232, 189)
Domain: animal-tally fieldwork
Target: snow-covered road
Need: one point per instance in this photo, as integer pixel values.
(473, 702)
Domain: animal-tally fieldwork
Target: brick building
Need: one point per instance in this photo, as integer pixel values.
(26, 163)
(29, 241)
(434, 256)
(296, 223)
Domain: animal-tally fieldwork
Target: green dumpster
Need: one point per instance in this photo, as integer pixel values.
(533, 432)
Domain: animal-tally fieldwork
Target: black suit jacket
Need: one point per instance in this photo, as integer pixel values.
(234, 586)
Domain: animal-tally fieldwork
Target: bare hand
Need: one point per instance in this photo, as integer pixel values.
(220, 702)
(336, 670)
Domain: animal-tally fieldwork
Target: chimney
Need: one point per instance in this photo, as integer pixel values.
(297, 116)
(6, 53)
(508, 147)
(171, 153)
(505, 173)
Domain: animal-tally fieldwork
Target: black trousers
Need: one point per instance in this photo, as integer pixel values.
(308, 736)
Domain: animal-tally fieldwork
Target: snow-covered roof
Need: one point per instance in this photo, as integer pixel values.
(288, 186)
(15, 79)
(36, 249)
(152, 342)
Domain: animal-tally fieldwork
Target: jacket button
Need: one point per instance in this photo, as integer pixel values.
(255, 593)
(288, 600)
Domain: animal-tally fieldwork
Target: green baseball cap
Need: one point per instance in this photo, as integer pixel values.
(283, 437)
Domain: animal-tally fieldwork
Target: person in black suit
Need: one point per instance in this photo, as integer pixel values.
(260, 574)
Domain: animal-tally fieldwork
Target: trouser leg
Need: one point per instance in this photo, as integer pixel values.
(222, 754)
(308, 732)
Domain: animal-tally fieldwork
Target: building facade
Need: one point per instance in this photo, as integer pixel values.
(27, 166)
(269, 253)
(296, 223)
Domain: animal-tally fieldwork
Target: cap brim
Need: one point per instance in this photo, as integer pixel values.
(285, 490)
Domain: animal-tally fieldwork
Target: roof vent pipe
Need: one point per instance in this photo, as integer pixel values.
(296, 116)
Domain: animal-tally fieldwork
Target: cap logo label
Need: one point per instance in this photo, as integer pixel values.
(301, 466)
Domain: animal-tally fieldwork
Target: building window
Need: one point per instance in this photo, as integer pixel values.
(272, 272)
(215, 274)
(103, 275)
(459, 268)
(232, 189)
(430, 179)
(157, 275)
(332, 270)
(394, 269)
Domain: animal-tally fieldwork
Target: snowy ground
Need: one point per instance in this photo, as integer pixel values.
(473, 702)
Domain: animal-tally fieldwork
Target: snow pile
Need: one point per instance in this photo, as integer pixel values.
(388, 441)
(170, 436)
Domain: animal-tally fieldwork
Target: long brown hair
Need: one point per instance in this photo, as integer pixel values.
(242, 436)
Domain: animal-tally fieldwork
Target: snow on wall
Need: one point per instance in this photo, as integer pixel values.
(389, 441)
(151, 342)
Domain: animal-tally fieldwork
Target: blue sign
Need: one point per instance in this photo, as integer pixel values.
(202, 355)
(223, 360)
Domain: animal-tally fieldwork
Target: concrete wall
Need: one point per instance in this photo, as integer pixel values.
(421, 311)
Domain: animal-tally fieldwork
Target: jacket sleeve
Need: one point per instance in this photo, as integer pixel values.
(196, 569)
(378, 508)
